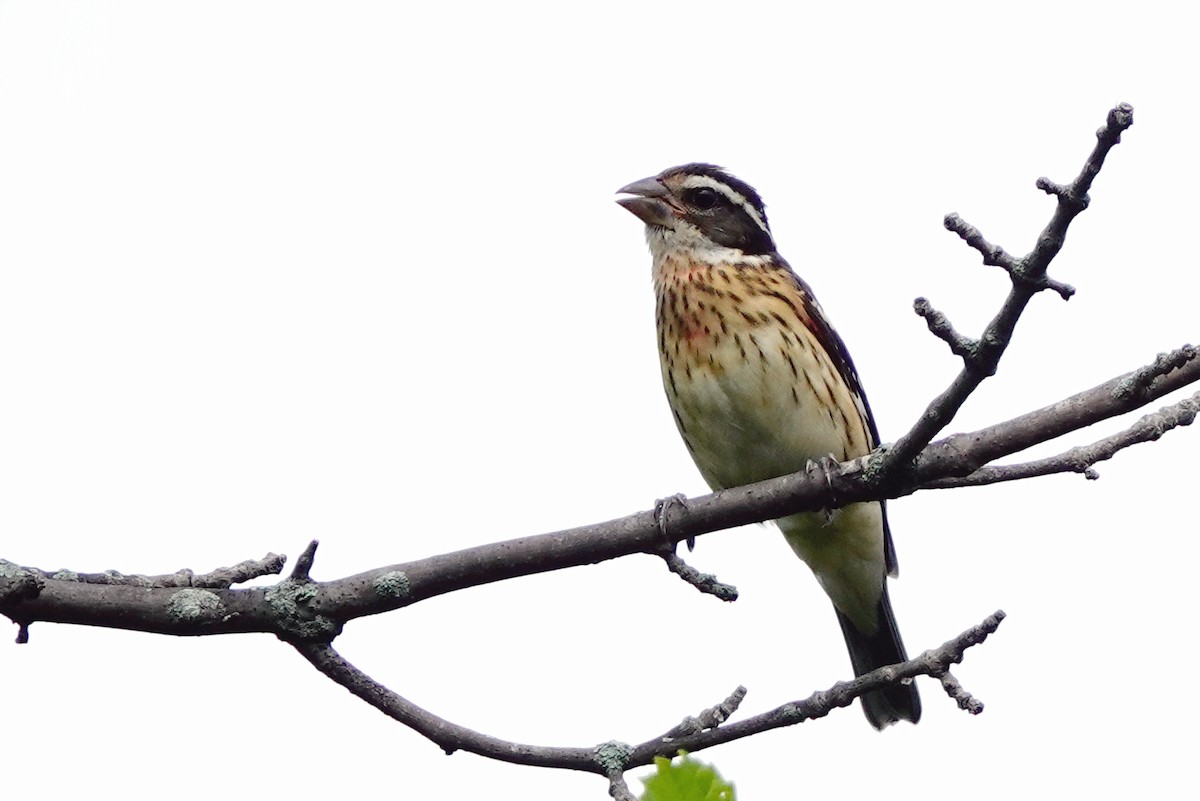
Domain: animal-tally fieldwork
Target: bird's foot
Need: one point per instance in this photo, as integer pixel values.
(828, 467)
(661, 508)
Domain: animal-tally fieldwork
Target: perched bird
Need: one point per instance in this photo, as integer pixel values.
(760, 385)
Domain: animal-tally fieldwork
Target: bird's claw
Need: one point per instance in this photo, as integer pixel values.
(661, 507)
(827, 466)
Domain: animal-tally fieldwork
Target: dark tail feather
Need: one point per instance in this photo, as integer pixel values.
(871, 651)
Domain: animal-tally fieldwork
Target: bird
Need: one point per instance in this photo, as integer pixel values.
(761, 385)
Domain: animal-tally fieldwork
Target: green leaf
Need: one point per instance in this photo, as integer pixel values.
(686, 779)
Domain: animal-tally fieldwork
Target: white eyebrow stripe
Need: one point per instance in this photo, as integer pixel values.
(697, 181)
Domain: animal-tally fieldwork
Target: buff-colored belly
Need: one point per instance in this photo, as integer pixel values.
(747, 415)
(754, 398)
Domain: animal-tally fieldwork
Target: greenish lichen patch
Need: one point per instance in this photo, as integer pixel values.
(613, 756)
(393, 584)
(284, 599)
(875, 462)
(192, 606)
(289, 602)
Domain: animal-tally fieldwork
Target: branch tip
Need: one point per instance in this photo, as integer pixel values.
(993, 255)
(1142, 380)
(305, 562)
(958, 694)
(1120, 119)
(704, 582)
(1049, 187)
(710, 718)
(1065, 291)
(940, 326)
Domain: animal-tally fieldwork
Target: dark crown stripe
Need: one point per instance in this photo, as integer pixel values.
(732, 181)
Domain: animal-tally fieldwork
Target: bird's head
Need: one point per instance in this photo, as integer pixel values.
(701, 209)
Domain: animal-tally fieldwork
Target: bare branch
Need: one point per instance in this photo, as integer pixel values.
(316, 609)
(613, 758)
(1028, 277)
(958, 455)
(935, 662)
(450, 737)
(1083, 459)
(1120, 395)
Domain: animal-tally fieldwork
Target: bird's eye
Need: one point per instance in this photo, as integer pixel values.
(703, 198)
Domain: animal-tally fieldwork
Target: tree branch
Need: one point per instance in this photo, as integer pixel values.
(962, 454)
(1083, 459)
(317, 609)
(1028, 277)
(613, 758)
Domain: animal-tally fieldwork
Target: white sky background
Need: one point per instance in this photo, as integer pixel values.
(276, 271)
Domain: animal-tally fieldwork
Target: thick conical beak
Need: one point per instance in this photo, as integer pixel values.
(651, 201)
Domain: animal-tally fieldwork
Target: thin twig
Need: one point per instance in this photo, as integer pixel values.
(710, 718)
(940, 327)
(221, 578)
(959, 695)
(993, 255)
(706, 583)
